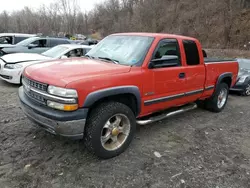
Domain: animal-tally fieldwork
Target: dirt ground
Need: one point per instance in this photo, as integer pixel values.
(198, 149)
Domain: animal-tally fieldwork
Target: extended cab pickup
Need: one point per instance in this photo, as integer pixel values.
(127, 79)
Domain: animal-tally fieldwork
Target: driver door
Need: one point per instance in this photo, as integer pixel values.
(169, 82)
(38, 46)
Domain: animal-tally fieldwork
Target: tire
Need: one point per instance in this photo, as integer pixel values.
(212, 104)
(246, 91)
(95, 128)
(200, 104)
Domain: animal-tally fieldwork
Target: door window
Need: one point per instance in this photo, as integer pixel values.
(168, 49)
(79, 52)
(42, 43)
(55, 42)
(19, 39)
(6, 40)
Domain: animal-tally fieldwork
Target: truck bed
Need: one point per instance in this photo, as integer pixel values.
(216, 67)
(216, 60)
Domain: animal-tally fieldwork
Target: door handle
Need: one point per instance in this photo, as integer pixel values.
(182, 75)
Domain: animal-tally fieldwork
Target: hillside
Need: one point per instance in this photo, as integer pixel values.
(218, 24)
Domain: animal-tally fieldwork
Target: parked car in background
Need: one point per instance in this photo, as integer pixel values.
(13, 38)
(242, 85)
(88, 42)
(12, 65)
(33, 45)
(127, 79)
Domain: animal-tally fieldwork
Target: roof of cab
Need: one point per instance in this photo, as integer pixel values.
(156, 35)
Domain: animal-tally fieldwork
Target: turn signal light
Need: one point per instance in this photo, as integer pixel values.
(60, 106)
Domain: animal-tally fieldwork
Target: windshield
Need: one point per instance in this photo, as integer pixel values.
(54, 52)
(26, 42)
(244, 64)
(125, 50)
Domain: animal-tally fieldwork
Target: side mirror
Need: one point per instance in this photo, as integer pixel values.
(164, 61)
(30, 46)
(64, 57)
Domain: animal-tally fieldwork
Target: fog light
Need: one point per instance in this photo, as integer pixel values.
(64, 107)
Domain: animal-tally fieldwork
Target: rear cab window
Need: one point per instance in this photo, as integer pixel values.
(192, 53)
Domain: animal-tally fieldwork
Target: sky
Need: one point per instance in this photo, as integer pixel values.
(12, 5)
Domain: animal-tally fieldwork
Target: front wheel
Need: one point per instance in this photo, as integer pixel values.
(218, 101)
(109, 129)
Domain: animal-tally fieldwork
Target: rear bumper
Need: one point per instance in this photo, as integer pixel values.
(67, 124)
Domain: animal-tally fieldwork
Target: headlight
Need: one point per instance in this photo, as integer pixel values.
(12, 66)
(242, 79)
(60, 106)
(62, 92)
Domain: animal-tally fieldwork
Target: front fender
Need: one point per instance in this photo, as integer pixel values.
(112, 91)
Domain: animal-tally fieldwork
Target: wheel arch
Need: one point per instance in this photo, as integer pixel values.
(226, 78)
(129, 95)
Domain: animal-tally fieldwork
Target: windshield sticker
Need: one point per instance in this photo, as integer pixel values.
(133, 61)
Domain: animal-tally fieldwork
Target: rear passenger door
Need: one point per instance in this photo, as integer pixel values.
(194, 71)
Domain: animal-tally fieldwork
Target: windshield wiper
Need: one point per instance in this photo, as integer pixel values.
(109, 59)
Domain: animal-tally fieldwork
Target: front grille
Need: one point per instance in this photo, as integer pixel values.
(28, 84)
(38, 98)
(35, 84)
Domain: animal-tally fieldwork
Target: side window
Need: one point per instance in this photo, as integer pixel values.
(86, 50)
(167, 53)
(19, 39)
(75, 53)
(192, 53)
(42, 43)
(55, 42)
(6, 40)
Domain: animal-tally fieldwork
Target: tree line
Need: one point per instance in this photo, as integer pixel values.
(217, 24)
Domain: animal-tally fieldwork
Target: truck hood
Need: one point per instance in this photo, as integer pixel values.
(23, 57)
(62, 72)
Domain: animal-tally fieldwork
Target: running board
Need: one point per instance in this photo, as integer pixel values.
(167, 115)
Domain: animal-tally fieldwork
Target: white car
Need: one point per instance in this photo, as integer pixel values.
(12, 65)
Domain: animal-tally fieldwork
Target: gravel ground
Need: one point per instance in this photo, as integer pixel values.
(198, 149)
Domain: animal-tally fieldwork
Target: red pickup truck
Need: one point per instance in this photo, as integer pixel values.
(127, 79)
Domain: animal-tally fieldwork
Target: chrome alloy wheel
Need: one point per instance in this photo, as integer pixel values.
(247, 91)
(222, 97)
(115, 132)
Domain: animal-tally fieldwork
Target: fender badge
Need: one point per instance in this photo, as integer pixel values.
(149, 93)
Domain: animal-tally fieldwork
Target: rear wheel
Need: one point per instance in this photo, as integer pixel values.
(218, 101)
(246, 91)
(109, 129)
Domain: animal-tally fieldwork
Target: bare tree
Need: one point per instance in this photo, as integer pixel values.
(216, 23)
